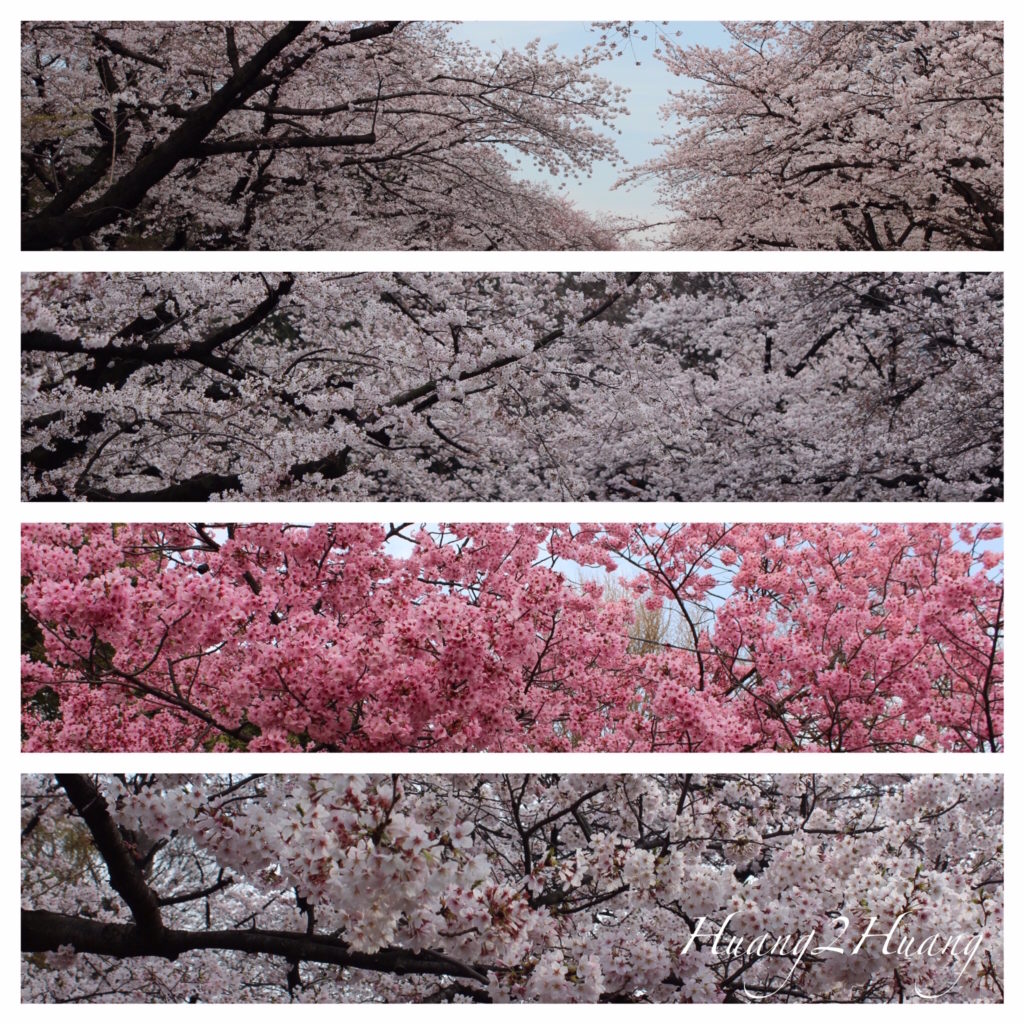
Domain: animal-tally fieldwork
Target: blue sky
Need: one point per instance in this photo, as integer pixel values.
(649, 84)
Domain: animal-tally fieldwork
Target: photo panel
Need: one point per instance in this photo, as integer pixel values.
(504, 637)
(827, 135)
(667, 888)
(482, 386)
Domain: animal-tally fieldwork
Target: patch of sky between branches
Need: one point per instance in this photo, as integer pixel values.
(635, 68)
(399, 545)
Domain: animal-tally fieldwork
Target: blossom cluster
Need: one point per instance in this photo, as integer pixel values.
(330, 135)
(837, 135)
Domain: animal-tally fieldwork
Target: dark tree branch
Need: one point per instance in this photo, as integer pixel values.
(47, 230)
(254, 145)
(115, 363)
(44, 931)
(126, 877)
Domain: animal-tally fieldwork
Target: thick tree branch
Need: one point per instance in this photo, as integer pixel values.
(43, 931)
(254, 145)
(115, 363)
(126, 877)
(46, 230)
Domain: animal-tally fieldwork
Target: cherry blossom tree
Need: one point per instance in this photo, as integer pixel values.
(544, 888)
(356, 135)
(512, 386)
(345, 135)
(365, 637)
(837, 135)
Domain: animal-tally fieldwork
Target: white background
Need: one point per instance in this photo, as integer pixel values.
(12, 513)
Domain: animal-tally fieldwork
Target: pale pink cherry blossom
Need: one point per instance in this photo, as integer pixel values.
(305, 135)
(583, 888)
(836, 135)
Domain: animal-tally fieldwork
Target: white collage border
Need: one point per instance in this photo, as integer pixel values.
(13, 513)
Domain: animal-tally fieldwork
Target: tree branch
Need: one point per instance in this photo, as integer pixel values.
(44, 931)
(46, 230)
(126, 877)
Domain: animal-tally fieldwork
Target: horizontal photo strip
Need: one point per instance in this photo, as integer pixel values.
(512, 387)
(386, 135)
(343, 637)
(523, 888)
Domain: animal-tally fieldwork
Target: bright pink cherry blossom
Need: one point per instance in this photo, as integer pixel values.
(828, 637)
